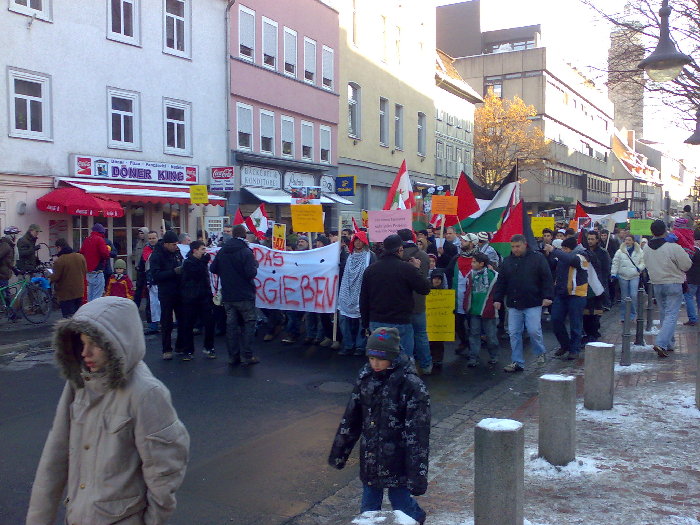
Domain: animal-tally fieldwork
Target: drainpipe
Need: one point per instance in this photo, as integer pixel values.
(227, 54)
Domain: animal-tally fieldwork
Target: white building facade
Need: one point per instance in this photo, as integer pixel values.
(124, 99)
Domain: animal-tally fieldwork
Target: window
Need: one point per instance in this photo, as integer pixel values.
(398, 126)
(496, 83)
(307, 140)
(246, 33)
(421, 134)
(327, 67)
(269, 29)
(287, 136)
(122, 21)
(177, 27)
(244, 119)
(354, 110)
(30, 115)
(178, 125)
(325, 140)
(40, 9)
(290, 52)
(267, 132)
(123, 119)
(309, 60)
(383, 122)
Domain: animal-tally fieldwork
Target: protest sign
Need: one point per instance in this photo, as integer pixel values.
(439, 314)
(444, 205)
(383, 223)
(279, 237)
(307, 218)
(640, 226)
(584, 222)
(306, 194)
(199, 194)
(540, 223)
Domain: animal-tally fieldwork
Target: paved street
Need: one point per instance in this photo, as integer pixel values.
(260, 437)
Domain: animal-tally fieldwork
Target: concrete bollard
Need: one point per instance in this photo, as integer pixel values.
(499, 472)
(599, 376)
(641, 302)
(625, 358)
(557, 430)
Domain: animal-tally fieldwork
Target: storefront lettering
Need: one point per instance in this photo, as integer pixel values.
(260, 177)
(135, 170)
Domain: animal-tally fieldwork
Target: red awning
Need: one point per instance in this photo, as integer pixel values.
(139, 192)
(75, 201)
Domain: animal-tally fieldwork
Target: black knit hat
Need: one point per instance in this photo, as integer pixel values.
(384, 343)
(169, 237)
(392, 243)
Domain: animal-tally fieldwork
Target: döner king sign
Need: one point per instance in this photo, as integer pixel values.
(133, 170)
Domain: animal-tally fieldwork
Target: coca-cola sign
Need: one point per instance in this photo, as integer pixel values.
(222, 178)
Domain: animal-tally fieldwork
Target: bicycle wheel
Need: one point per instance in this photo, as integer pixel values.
(35, 304)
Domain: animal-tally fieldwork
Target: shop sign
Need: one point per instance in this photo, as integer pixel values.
(222, 178)
(327, 184)
(345, 185)
(296, 179)
(260, 177)
(132, 170)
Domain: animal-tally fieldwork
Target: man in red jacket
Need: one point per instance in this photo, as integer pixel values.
(96, 252)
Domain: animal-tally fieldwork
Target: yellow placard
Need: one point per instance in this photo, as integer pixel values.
(199, 194)
(307, 218)
(439, 313)
(279, 236)
(444, 205)
(540, 223)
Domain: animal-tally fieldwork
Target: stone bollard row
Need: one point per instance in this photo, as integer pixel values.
(557, 428)
(599, 376)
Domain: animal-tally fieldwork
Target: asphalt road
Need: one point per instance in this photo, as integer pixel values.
(260, 436)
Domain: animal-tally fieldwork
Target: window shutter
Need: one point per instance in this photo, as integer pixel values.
(307, 135)
(328, 65)
(267, 125)
(310, 56)
(247, 29)
(288, 131)
(245, 120)
(290, 48)
(269, 39)
(325, 139)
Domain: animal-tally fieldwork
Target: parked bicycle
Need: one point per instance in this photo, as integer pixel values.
(29, 296)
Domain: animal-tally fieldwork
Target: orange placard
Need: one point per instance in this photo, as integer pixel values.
(444, 205)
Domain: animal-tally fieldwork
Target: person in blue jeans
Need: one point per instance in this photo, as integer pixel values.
(627, 266)
(389, 410)
(570, 291)
(692, 296)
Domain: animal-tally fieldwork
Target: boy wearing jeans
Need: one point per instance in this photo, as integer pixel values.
(478, 304)
(390, 410)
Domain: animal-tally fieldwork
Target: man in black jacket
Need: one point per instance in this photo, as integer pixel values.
(386, 296)
(27, 248)
(525, 281)
(165, 266)
(236, 267)
(195, 292)
(600, 260)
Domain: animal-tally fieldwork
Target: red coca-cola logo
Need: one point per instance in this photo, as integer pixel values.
(221, 173)
(84, 166)
(191, 174)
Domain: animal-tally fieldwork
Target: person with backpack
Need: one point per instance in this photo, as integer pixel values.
(627, 267)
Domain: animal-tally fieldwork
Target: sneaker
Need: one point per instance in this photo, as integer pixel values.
(541, 359)
(289, 340)
(428, 370)
(660, 351)
(187, 357)
(560, 352)
(493, 360)
(326, 342)
(690, 323)
(167, 356)
(571, 356)
(335, 345)
(196, 331)
(513, 367)
(209, 354)
(472, 362)
(268, 338)
(249, 361)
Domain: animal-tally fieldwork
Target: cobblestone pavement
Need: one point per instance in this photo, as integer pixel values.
(636, 464)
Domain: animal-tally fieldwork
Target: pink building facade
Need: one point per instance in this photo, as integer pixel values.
(284, 103)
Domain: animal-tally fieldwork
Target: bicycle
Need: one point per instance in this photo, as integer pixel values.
(28, 296)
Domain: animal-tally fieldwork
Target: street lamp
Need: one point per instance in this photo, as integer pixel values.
(694, 139)
(666, 62)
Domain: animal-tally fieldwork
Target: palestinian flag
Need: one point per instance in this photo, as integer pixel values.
(462, 267)
(238, 218)
(481, 209)
(518, 222)
(616, 213)
(400, 195)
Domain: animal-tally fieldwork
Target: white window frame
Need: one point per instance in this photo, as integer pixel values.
(306, 124)
(358, 111)
(187, 27)
(308, 40)
(239, 106)
(289, 120)
(267, 113)
(398, 127)
(325, 130)
(135, 97)
(187, 108)
(46, 125)
(325, 73)
(288, 54)
(135, 19)
(421, 134)
(248, 11)
(270, 23)
(384, 122)
(44, 13)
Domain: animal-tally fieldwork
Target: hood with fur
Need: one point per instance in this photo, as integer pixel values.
(114, 324)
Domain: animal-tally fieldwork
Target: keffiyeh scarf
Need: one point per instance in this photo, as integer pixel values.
(349, 295)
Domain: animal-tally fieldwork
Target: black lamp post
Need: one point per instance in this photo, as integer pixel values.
(666, 62)
(694, 139)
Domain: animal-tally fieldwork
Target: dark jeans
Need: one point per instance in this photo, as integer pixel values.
(571, 306)
(274, 319)
(192, 314)
(293, 327)
(241, 318)
(353, 334)
(168, 306)
(462, 328)
(140, 288)
(69, 307)
(399, 497)
(591, 317)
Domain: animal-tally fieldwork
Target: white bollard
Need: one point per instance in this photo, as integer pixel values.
(599, 376)
(557, 430)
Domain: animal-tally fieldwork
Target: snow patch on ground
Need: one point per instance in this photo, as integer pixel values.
(634, 368)
(642, 348)
(654, 331)
(541, 468)
(376, 518)
(451, 521)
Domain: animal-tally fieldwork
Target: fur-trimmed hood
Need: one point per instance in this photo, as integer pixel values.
(114, 324)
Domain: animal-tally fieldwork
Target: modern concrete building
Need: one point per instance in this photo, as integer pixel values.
(120, 99)
(285, 92)
(573, 114)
